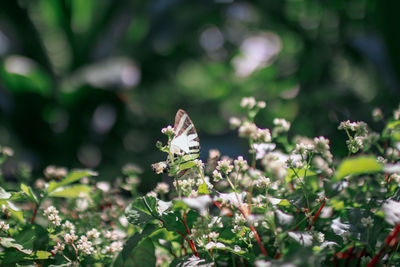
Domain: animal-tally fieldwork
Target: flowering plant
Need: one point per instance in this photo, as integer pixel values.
(292, 202)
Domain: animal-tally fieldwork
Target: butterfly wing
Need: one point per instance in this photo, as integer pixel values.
(186, 140)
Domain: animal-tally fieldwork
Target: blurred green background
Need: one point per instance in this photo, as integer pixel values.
(88, 83)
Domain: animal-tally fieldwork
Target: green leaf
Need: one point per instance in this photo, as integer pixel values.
(291, 174)
(4, 194)
(38, 255)
(190, 157)
(143, 255)
(10, 243)
(71, 191)
(70, 178)
(187, 165)
(284, 202)
(124, 258)
(392, 130)
(173, 221)
(29, 192)
(203, 189)
(16, 212)
(142, 210)
(164, 234)
(21, 74)
(357, 165)
(19, 196)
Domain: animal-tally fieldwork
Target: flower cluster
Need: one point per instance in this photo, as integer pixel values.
(52, 215)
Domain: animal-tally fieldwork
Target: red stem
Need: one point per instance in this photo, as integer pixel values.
(389, 241)
(191, 243)
(316, 216)
(34, 214)
(258, 239)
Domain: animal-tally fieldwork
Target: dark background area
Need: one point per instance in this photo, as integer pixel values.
(91, 83)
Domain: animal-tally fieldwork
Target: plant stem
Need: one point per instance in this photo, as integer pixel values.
(35, 209)
(316, 216)
(390, 240)
(191, 243)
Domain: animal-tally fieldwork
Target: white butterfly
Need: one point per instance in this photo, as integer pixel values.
(185, 141)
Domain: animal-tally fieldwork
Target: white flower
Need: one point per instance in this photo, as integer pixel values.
(68, 226)
(58, 248)
(217, 176)
(82, 204)
(224, 166)
(52, 215)
(261, 104)
(169, 130)
(241, 164)
(303, 149)
(103, 186)
(211, 245)
(213, 235)
(115, 246)
(162, 188)
(249, 130)
(262, 149)
(377, 114)
(248, 102)
(7, 151)
(69, 238)
(263, 181)
(199, 163)
(281, 126)
(263, 135)
(367, 222)
(234, 122)
(151, 194)
(53, 172)
(93, 234)
(4, 226)
(85, 245)
(320, 237)
(50, 210)
(159, 167)
(321, 144)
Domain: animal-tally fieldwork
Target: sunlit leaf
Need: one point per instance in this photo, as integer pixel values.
(203, 189)
(71, 191)
(10, 243)
(142, 210)
(70, 178)
(187, 165)
(293, 174)
(4, 194)
(38, 255)
(357, 165)
(21, 74)
(29, 192)
(16, 212)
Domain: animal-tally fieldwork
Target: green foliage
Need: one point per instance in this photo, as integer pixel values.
(357, 165)
(70, 178)
(73, 191)
(293, 202)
